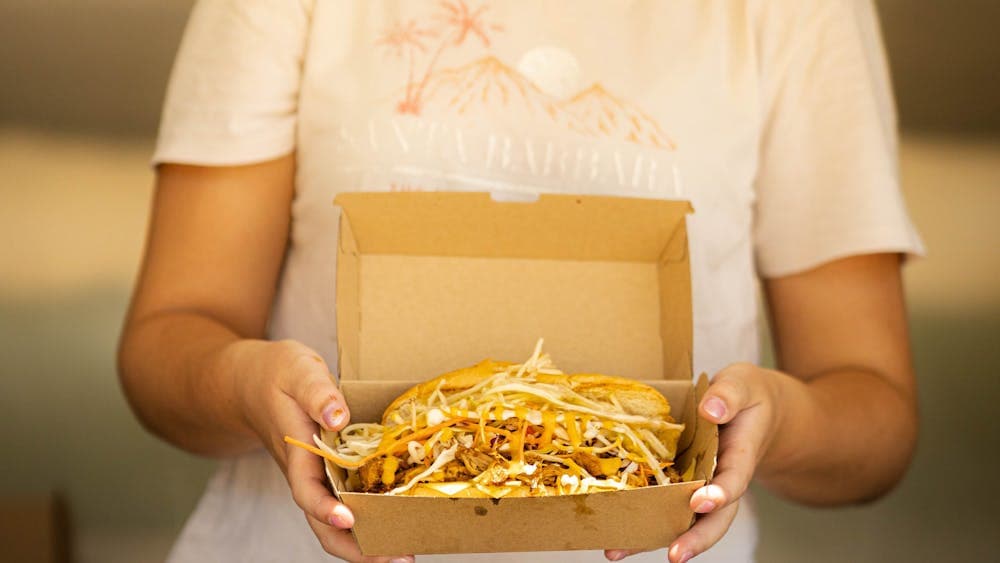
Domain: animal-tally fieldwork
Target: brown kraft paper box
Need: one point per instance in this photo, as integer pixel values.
(428, 282)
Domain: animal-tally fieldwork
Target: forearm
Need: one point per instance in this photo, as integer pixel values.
(844, 436)
(842, 429)
(179, 371)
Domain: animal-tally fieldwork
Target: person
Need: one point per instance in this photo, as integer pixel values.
(774, 117)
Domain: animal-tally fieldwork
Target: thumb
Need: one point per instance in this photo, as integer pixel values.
(728, 394)
(312, 386)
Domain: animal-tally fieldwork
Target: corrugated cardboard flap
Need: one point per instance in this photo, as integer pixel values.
(430, 281)
(472, 224)
(699, 443)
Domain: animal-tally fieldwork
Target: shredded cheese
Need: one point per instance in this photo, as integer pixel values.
(654, 443)
(650, 459)
(307, 447)
(553, 421)
(572, 430)
(549, 422)
(389, 467)
(547, 395)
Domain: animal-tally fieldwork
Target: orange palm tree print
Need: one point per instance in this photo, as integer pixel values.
(405, 40)
(460, 18)
(456, 23)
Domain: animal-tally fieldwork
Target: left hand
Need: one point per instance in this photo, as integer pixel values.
(742, 399)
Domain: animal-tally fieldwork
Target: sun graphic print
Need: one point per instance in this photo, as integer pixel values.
(538, 89)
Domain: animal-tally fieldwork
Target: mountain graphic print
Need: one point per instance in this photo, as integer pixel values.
(489, 87)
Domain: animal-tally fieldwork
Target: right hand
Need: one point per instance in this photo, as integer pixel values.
(285, 388)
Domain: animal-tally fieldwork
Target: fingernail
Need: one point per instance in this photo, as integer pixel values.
(715, 408)
(341, 517)
(684, 558)
(401, 560)
(715, 491)
(616, 555)
(333, 415)
(705, 506)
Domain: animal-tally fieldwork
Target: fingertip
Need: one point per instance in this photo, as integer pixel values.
(717, 493)
(714, 408)
(707, 499)
(614, 554)
(346, 420)
(698, 499)
(341, 517)
(704, 507)
(676, 554)
(335, 416)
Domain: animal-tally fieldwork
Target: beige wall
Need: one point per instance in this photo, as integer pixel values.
(101, 65)
(72, 224)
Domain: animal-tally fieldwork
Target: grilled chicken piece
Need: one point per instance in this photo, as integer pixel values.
(408, 475)
(474, 461)
(371, 476)
(549, 475)
(456, 471)
(495, 474)
(672, 474)
(589, 462)
(511, 424)
(636, 480)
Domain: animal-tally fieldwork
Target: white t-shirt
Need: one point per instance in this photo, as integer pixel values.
(773, 117)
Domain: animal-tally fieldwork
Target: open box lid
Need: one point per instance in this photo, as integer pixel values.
(431, 281)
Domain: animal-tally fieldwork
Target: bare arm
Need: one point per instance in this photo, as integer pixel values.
(213, 254)
(848, 415)
(838, 423)
(192, 360)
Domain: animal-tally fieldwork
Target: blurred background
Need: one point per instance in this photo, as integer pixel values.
(82, 84)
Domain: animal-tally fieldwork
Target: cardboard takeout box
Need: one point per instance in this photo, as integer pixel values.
(430, 282)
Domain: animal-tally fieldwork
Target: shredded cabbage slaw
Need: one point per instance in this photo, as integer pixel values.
(530, 430)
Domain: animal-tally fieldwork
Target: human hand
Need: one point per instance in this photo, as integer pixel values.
(742, 399)
(285, 388)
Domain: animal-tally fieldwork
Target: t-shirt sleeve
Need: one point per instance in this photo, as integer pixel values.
(234, 89)
(828, 182)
